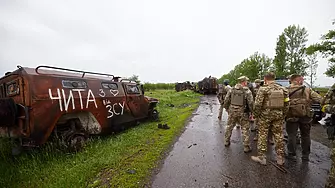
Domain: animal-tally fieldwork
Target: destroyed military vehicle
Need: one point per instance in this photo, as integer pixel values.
(208, 85)
(36, 103)
(180, 87)
(184, 86)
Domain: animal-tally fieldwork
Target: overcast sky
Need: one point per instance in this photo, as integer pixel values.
(161, 41)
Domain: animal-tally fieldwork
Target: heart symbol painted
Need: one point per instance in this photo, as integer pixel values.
(114, 92)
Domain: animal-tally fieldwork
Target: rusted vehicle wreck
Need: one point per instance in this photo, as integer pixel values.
(36, 103)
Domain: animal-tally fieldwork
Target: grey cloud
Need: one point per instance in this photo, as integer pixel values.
(161, 41)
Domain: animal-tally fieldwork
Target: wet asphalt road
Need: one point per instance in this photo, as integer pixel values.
(199, 159)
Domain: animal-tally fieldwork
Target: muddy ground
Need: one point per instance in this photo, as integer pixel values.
(199, 158)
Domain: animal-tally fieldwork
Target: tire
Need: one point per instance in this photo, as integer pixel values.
(8, 112)
(154, 115)
(76, 142)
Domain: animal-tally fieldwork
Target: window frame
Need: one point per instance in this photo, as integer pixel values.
(74, 81)
(109, 83)
(134, 93)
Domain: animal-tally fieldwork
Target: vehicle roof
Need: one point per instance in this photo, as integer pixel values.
(63, 73)
(286, 80)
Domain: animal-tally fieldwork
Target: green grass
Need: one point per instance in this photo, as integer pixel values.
(323, 91)
(158, 86)
(123, 160)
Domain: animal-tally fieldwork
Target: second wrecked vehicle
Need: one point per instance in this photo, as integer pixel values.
(36, 103)
(185, 86)
(208, 85)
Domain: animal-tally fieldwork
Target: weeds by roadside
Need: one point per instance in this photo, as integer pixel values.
(122, 160)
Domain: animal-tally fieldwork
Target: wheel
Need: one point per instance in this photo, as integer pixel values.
(76, 142)
(154, 115)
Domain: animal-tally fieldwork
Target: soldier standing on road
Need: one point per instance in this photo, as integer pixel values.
(222, 94)
(271, 105)
(258, 85)
(239, 104)
(300, 116)
(329, 107)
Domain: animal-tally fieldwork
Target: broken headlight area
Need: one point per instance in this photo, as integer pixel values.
(12, 88)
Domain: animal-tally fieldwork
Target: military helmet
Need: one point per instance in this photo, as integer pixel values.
(226, 81)
(258, 81)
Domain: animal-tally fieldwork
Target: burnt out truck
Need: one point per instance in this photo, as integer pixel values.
(209, 85)
(185, 86)
(36, 103)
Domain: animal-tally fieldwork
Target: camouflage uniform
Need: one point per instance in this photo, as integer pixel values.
(236, 102)
(221, 96)
(257, 82)
(270, 135)
(329, 99)
(270, 116)
(303, 123)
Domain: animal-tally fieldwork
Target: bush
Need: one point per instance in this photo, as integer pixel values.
(158, 86)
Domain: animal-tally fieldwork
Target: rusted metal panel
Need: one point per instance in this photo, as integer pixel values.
(52, 97)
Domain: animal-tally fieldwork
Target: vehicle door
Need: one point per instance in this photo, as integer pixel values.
(136, 101)
(112, 97)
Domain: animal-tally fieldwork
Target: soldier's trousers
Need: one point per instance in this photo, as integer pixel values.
(292, 129)
(276, 127)
(220, 111)
(241, 119)
(331, 178)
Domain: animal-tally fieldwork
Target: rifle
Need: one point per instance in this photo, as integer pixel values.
(329, 124)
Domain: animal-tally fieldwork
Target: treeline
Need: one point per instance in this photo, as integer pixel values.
(151, 87)
(292, 57)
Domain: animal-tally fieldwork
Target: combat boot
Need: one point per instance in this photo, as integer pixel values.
(247, 149)
(280, 160)
(259, 159)
(227, 143)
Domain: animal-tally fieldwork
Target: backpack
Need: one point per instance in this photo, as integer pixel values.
(275, 98)
(238, 97)
(222, 89)
(299, 102)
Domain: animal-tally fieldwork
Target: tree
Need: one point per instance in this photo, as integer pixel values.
(255, 66)
(327, 48)
(312, 63)
(296, 38)
(280, 60)
(263, 64)
(134, 78)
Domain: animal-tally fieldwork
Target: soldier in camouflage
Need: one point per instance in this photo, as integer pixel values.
(258, 84)
(223, 90)
(271, 105)
(300, 116)
(239, 104)
(329, 107)
(254, 93)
